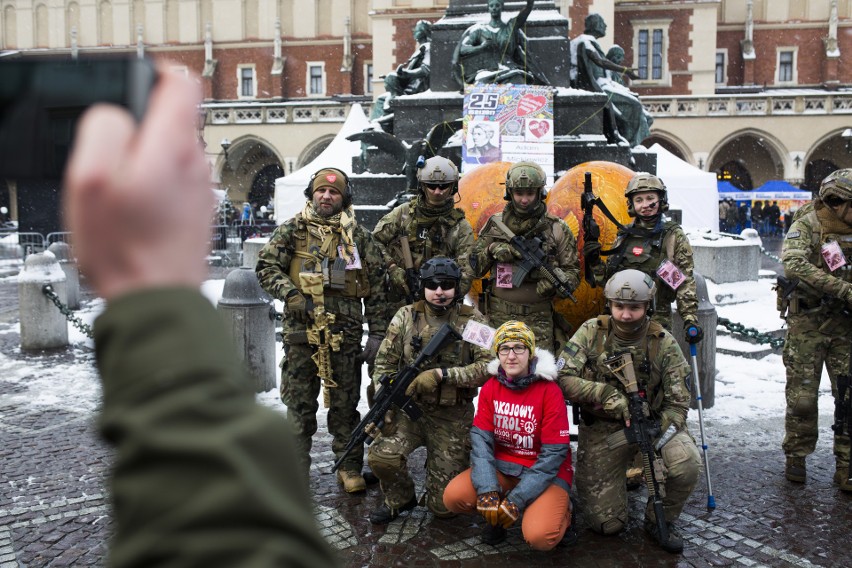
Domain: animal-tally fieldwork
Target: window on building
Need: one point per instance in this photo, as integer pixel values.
(721, 67)
(650, 47)
(368, 78)
(248, 85)
(786, 66)
(316, 79)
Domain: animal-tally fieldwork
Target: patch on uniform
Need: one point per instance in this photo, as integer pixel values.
(793, 235)
(571, 349)
(637, 251)
(560, 363)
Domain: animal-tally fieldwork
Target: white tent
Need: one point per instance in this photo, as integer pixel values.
(690, 189)
(290, 190)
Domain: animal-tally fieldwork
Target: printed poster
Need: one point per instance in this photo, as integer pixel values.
(508, 123)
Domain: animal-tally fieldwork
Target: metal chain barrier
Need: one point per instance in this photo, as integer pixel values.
(750, 332)
(48, 291)
(770, 255)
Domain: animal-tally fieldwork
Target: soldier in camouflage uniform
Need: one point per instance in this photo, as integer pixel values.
(646, 245)
(525, 215)
(325, 239)
(661, 372)
(817, 250)
(445, 394)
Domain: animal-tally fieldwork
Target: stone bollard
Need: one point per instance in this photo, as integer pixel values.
(251, 249)
(706, 349)
(62, 252)
(247, 309)
(42, 324)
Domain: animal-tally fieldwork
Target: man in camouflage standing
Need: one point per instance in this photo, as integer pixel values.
(655, 246)
(322, 249)
(444, 392)
(661, 373)
(526, 216)
(817, 252)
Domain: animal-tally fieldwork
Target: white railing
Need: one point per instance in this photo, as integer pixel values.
(276, 113)
(762, 104)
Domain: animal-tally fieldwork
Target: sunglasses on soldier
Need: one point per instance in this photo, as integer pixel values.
(434, 186)
(435, 283)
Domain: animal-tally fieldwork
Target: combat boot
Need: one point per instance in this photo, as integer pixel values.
(673, 544)
(795, 470)
(385, 514)
(841, 478)
(352, 481)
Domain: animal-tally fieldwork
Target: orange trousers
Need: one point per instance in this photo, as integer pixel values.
(544, 521)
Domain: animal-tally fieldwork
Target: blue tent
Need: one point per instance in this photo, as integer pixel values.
(779, 185)
(726, 187)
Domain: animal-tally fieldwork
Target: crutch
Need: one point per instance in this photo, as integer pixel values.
(711, 501)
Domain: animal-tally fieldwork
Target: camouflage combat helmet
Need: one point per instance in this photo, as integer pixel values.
(837, 184)
(630, 286)
(646, 182)
(525, 175)
(438, 170)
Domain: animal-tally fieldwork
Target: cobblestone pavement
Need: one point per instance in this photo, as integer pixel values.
(54, 508)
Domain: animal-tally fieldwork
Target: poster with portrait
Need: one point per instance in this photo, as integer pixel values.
(509, 123)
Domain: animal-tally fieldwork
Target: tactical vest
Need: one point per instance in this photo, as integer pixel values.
(645, 362)
(456, 354)
(810, 301)
(425, 240)
(308, 238)
(549, 230)
(645, 254)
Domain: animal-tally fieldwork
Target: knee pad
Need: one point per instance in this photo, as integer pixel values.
(803, 405)
(385, 465)
(612, 526)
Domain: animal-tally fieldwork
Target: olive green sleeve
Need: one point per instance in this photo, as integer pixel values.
(203, 475)
(566, 255)
(572, 359)
(796, 253)
(373, 258)
(675, 373)
(686, 294)
(462, 237)
(273, 263)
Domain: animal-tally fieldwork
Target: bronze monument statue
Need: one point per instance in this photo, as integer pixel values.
(410, 77)
(497, 52)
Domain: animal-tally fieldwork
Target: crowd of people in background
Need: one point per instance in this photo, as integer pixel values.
(765, 217)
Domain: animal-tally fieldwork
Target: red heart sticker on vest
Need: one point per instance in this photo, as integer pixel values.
(331, 178)
(637, 251)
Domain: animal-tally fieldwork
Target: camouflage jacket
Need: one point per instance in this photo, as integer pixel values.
(465, 364)
(646, 254)
(449, 235)
(802, 257)
(661, 370)
(558, 243)
(274, 271)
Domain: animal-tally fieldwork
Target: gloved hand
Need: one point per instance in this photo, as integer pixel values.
(371, 348)
(617, 406)
(397, 280)
(503, 252)
(591, 253)
(427, 381)
(693, 333)
(507, 513)
(544, 288)
(487, 505)
(297, 306)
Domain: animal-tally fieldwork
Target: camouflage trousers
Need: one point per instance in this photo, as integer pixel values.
(600, 476)
(445, 431)
(300, 389)
(541, 322)
(806, 350)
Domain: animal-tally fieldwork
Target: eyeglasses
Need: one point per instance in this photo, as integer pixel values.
(436, 283)
(516, 349)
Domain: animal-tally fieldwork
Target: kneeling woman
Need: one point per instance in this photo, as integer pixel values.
(521, 458)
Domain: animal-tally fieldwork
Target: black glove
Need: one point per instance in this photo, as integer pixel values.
(371, 348)
(297, 306)
(591, 253)
(693, 333)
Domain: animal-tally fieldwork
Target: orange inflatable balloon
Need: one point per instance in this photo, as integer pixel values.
(481, 195)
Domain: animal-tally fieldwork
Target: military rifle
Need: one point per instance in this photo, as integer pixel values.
(319, 332)
(532, 256)
(392, 393)
(642, 430)
(591, 231)
(412, 279)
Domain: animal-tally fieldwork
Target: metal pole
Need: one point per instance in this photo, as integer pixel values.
(711, 501)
